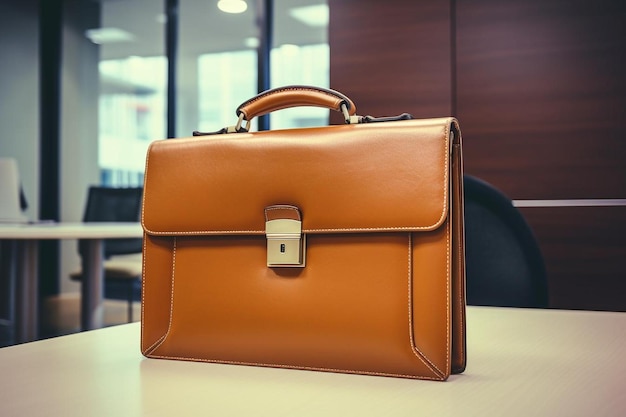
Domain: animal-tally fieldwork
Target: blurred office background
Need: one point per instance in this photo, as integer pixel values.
(538, 86)
(89, 84)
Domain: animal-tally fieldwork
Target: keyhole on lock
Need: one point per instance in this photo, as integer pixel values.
(282, 248)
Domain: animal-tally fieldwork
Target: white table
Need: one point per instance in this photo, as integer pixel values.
(521, 362)
(27, 237)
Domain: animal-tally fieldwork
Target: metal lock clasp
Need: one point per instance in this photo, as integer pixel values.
(285, 241)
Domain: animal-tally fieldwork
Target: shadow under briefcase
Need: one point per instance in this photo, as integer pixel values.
(336, 248)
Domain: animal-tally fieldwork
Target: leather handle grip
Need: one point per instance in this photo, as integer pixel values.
(294, 96)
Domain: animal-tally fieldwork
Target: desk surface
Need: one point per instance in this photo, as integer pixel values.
(25, 262)
(93, 230)
(520, 362)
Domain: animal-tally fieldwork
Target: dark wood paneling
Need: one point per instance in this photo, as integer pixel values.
(541, 95)
(389, 59)
(584, 249)
(540, 92)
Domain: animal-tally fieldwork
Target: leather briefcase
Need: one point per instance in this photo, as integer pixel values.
(336, 248)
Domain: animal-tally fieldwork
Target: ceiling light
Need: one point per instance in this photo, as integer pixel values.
(108, 35)
(251, 42)
(315, 16)
(232, 6)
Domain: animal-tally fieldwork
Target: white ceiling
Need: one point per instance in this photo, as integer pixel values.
(203, 28)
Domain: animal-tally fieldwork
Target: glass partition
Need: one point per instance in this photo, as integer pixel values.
(300, 55)
(217, 63)
(216, 71)
(133, 79)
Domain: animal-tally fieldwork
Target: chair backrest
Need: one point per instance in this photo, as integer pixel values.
(10, 192)
(105, 204)
(504, 264)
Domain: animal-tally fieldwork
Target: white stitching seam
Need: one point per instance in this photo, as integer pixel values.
(461, 257)
(448, 166)
(461, 299)
(160, 340)
(447, 176)
(414, 348)
(433, 226)
(242, 232)
(143, 288)
(416, 351)
(169, 326)
(308, 368)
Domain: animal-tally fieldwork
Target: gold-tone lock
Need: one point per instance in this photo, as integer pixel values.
(285, 242)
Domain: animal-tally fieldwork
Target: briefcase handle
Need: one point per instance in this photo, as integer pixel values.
(294, 96)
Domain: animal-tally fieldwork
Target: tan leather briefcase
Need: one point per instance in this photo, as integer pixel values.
(337, 248)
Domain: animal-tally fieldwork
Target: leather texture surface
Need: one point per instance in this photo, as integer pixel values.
(292, 96)
(382, 292)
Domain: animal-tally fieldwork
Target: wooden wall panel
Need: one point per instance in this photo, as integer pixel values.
(389, 59)
(584, 249)
(541, 95)
(540, 92)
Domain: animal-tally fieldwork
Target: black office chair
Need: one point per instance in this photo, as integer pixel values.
(504, 264)
(122, 264)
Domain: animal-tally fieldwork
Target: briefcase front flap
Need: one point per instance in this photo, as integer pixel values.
(383, 177)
